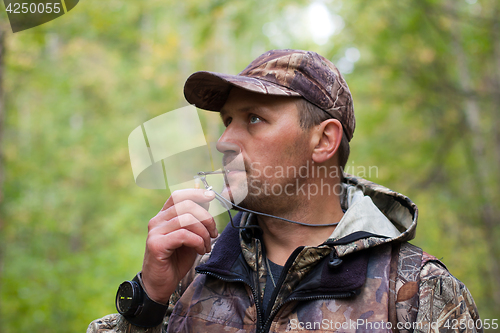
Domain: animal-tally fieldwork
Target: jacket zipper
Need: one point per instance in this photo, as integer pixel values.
(254, 293)
(265, 328)
(277, 288)
(269, 320)
(267, 325)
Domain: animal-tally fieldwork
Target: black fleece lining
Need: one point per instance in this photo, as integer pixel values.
(349, 276)
(226, 250)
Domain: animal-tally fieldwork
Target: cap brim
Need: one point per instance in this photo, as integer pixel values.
(209, 90)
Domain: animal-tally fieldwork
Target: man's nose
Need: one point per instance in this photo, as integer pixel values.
(228, 145)
(228, 148)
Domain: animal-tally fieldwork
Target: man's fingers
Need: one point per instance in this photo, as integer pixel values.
(186, 221)
(180, 209)
(197, 195)
(167, 244)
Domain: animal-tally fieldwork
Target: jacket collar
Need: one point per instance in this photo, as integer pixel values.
(395, 213)
(226, 261)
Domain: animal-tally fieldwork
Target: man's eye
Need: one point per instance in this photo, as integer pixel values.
(255, 119)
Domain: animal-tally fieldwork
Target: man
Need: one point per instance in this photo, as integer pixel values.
(320, 251)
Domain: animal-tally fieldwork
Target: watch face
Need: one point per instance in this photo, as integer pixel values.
(126, 298)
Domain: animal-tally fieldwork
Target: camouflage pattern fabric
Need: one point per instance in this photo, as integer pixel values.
(213, 305)
(280, 72)
(252, 251)
(117, 324)
(445, 303)
(407, 281)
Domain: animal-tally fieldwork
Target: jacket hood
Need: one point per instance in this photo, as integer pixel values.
(377, 213)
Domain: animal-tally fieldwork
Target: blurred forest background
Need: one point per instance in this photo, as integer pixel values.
(425, 76)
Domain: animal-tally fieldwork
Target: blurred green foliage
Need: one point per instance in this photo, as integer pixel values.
(73, 223)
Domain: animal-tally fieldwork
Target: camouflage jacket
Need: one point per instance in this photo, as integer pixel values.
(345, 284)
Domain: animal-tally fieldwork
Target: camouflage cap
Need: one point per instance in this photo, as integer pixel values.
(284, 73)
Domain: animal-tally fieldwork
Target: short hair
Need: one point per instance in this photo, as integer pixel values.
(310, 115)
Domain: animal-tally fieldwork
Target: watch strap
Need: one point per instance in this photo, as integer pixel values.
(150, 313)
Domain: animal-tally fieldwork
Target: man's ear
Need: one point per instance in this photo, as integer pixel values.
(327, 139)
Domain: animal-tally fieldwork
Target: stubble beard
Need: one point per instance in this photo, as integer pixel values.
(267, 195)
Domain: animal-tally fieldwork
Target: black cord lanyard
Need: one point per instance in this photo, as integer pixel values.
(202, 175)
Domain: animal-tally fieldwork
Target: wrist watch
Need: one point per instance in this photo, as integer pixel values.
(133, 303)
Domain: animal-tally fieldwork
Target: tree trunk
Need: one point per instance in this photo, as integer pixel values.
(2, 176)
(496, 85)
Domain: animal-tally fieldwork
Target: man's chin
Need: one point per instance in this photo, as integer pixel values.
(235, 195)
(236, 186)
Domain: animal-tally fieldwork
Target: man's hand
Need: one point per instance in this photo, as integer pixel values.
(181, 230)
